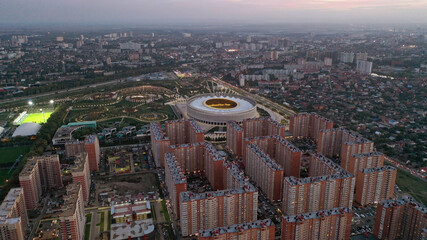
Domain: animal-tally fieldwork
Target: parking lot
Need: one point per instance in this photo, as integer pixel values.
(363, 219)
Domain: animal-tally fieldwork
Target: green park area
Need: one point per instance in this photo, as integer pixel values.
(8, 157)
(412, 185)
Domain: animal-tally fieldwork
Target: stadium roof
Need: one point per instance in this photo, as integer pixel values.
(27, 129)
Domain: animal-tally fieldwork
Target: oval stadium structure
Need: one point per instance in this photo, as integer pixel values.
(219, 108)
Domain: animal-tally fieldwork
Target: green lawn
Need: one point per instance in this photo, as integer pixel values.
(101, 223)
(412, 185)
(109, 221)
(37, 117)
(165, 212)
(87, 231)
(4, 175)
(87, 228)
(10, 154)
(153, 211)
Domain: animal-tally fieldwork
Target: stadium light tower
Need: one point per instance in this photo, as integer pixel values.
(52, 103)
(44, 119)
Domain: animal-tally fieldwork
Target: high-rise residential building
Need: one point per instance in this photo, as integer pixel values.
(93, 151)
(327, 61)
(343, 143)
(72, 217)
(214, 165)
(216, 209)
(265, 172)
(284, 153)
(81, 174)
(374, 185)
(288, 156)
(358, 162)
(29, 180)
(364, 67)
(175, 180)
(402, 218)
(318, 192)
(326, 224)
(265, 143)
(347, 57)
(40, 173)
(189, 156)
(17, 40)
(50, 171)
(362, 56)
(176, 132)
(257, 127)
(89, 145)
(184, 131)
(13, 215)
(201, 157)
(234, 138)
(160, 144)
(308, 125)
(238, 203)
(258, 230)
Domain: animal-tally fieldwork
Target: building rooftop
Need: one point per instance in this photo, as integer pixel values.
(64, 133)
(289, 145)
(378, 169)
(157, 131)
(28, 167)
(211, 150)
(129, 207)
(319, 214)
(27, 129)
(265, 157)
(315, 115)
(189, 196)
(340, 173)
(79, 162)
(236, 228)
(175, 168)
(371, 154)
(239, 176)
(405, 200)
(90, 139)
(70, 200)
(133, 229)
(234, 125)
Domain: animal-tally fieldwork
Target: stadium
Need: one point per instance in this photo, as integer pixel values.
(217, 109)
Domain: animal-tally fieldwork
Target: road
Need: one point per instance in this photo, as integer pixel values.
(9, 100)
(37, 220)
(404, 168)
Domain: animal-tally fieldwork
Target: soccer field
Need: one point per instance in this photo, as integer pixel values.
(37, 117)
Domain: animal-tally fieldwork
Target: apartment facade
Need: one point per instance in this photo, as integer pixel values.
(13, 215)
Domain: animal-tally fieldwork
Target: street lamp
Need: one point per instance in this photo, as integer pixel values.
(51, 101)
(30, 103)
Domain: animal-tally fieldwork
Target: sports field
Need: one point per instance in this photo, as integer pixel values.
(37, 117)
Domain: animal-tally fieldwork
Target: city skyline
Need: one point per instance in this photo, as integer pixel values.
(170, 12)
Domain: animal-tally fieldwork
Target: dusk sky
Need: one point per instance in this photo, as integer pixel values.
(211, 11)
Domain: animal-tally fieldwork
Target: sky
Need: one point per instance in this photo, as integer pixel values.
(211, 11)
